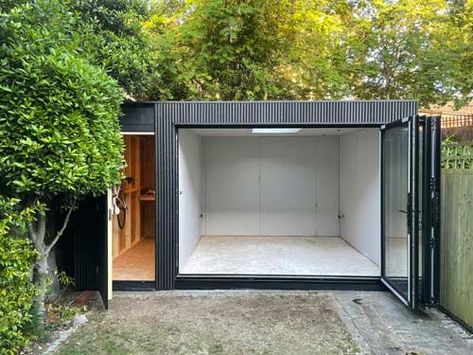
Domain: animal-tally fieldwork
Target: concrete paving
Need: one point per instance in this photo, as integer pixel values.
(383, 325)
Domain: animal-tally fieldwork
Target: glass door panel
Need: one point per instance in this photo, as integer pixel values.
(410, 189)
(396, 211)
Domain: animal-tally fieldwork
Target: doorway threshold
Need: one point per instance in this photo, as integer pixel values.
(278, 282)
(133, 285)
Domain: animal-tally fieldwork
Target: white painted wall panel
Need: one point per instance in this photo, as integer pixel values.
(327, 171)
(299, 182)
(271, 186)
(232, 190)
(190, 193)
(360, 192)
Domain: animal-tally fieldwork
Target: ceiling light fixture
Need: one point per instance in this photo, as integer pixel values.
(275, 130)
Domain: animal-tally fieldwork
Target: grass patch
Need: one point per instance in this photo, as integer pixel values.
(254, 323)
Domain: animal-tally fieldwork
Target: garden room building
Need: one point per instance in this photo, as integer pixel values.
(276, 194)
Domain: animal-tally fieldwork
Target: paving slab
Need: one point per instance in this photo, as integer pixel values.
(383, 325)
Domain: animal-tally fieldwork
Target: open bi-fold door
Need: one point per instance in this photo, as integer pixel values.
(410, 154)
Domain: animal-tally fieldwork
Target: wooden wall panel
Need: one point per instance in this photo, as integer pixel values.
(147, 163)
(148, 211)
(456, 279)
(124, 239)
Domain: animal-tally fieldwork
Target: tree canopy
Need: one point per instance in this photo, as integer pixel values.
(235, 50)
(405, 52)
(302, 49)
(112, 37)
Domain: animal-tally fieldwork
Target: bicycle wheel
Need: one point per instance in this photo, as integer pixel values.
(121, 203)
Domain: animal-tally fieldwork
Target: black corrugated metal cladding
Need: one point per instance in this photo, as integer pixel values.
(285, 112)
(169, 116)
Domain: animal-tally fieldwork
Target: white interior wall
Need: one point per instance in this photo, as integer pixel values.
(360, 192)
(190, 192)
(231, 186)
(299, 186)
(271, 186)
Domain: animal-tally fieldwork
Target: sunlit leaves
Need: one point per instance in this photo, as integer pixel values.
(16, 290)
(276, 49)
(301, 49)
(59, 132)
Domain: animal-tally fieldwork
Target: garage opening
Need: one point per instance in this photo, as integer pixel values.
(133, 226)
(279, 201)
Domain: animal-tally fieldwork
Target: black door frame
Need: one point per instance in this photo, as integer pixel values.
(411, 123)
(240, 281)
(423, 218)
(139, 119)
(431, 208)
(172, 116)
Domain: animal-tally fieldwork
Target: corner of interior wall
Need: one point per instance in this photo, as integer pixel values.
(260, 187)
(190, 146)
(339, 172)
(341, 140)
(203, 187)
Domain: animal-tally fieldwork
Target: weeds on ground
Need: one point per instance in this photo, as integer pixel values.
(60, 310)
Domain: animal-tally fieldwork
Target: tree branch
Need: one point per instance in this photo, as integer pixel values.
(33, 226)
(61, 231)
(41, 228)
(32, 231)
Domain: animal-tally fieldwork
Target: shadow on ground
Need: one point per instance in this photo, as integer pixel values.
(265, 322)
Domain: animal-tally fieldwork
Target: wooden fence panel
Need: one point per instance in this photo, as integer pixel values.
(456, 279)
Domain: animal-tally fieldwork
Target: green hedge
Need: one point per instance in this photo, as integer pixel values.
(16, 288)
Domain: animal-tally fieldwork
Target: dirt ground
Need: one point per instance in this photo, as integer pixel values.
(265, 322)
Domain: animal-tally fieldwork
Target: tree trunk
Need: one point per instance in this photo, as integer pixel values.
(37, 233)
(54, 287)
(40, 279)
(41, 268)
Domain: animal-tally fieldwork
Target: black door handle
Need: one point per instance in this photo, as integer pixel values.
(403, 211)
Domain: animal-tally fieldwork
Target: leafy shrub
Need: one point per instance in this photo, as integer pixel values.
(59, 131)
(16, 288)
(112, 38)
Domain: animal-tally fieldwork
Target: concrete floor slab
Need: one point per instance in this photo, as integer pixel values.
(277, 256)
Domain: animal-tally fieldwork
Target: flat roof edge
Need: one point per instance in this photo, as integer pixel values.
(186, 102)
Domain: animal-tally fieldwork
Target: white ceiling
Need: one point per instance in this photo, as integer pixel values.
(246, 132)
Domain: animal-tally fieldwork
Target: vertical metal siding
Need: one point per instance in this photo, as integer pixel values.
(88, 228)
(287, 112)
(166, 203)
(170, 115)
